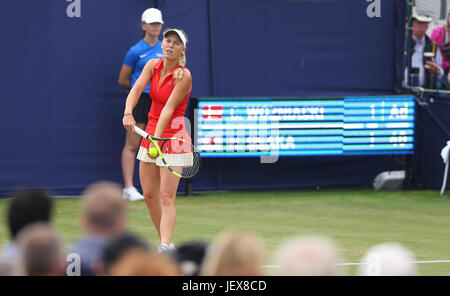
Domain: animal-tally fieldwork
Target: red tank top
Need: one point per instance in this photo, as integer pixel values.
(159, 96)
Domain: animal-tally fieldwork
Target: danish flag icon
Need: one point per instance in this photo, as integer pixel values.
(212, 112)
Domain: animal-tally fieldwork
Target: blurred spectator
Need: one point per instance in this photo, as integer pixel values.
(138, 262)
(426, 59)
(388, 259)
(103, 218)
(40, 251)
(308, 256)
(7, 268)
(234, 253)
(118, 247)
(440, 35)
(27, 206)
(189, 257)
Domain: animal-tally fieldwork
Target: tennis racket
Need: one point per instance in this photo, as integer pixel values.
(168, 144)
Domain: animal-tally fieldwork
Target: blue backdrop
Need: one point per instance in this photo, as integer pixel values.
(433, 132)
(302, 48)
(62, 107)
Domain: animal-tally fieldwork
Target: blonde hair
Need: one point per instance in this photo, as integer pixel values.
(308, 256)
(178, 74)
(234, 253)
(136, 262)
(103, 205)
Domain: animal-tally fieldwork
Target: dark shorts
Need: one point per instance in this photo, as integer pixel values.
(142, 108)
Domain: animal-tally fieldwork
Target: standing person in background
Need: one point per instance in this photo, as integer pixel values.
(146, 49)
(428, 70)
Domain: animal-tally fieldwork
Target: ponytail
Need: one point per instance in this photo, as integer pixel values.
(181, 63)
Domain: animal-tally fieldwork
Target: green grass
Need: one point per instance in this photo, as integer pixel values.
(354, 219)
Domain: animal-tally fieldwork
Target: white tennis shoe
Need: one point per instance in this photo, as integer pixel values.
(164, 248)
(132, 194)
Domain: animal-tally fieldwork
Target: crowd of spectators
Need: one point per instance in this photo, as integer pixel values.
(107, 247)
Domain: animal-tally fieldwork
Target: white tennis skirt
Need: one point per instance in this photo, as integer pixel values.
(182, 160)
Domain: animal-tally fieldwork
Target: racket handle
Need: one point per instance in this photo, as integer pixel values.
(140, 132)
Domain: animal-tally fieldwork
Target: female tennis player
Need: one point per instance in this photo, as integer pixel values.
(149, 47)
(171, 84)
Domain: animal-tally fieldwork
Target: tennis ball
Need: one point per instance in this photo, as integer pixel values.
(152, 152)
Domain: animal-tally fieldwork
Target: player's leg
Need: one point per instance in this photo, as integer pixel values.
(168, 190)
(150, 182)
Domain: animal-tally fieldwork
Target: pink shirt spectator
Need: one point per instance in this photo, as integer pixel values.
(438, 36)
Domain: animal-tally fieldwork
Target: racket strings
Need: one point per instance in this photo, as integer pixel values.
(192, 166)
(191, 171)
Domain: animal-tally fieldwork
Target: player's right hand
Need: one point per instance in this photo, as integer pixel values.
(129, 122)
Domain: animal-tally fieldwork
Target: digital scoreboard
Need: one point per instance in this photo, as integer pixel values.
(240, 127)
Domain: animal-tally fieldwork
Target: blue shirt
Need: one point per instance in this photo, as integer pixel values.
(11, 251)
(90, 249)
(138, 55)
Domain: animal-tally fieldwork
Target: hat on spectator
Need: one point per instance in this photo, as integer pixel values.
(152, 15)
(420, 17)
